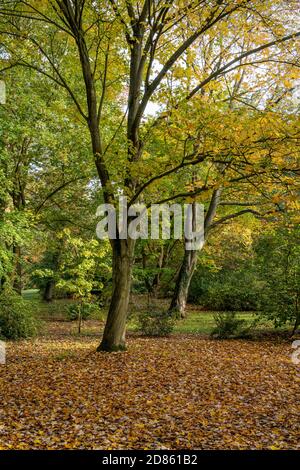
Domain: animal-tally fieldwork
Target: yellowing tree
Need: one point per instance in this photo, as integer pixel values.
(118, 56)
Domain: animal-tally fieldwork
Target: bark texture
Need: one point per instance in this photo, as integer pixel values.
(179, 299)
(115, 328)
(189, 262)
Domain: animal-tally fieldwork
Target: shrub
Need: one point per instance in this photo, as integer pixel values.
(86, 310)
(17, 319)
(156, 323)
(229, 326)
(226, 290)
(231, 294)
(200, 283)
(278, 255)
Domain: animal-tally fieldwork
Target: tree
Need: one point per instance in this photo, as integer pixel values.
(268, 151)
(85, 36)
(34, 164)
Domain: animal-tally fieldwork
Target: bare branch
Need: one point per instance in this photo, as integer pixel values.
(225, 67)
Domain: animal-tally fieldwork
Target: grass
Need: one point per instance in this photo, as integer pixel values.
(197, 322)
(31, 294)
(55, 310)
(200, 322)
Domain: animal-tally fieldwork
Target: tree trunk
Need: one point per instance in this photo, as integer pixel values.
(179, 299)
(156, 280)
(297, 321)
(17, 275)
(296, 324)
(115, 328)
(189, 262)
(49, 290)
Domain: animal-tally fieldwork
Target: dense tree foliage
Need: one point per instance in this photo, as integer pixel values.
(158, 101)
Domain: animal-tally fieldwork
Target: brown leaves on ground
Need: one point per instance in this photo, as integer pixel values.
(182, 392)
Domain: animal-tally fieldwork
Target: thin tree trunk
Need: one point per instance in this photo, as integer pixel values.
(17, 276)
(80, 318)
(49, 290)
(162, 263)
(180, 295)
(189, 262)
(18, 198)
(115, 328)
(296, 324)
(297, 321)
(156, 280)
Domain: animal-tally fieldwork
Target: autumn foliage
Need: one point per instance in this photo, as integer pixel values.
(185, 392)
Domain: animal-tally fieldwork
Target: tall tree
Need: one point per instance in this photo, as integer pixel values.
(147, 40)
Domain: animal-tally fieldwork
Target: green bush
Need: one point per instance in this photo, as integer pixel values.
(231, 295)
(278, 254)
(86, 310)
(156, 323)
(17, 319)
(142, 280)
(200, 282)
(226, 290)
(229, 326)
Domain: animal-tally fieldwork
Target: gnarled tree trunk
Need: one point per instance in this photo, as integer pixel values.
(115, 328)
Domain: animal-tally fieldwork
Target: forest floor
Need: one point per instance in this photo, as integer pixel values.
(183, 392)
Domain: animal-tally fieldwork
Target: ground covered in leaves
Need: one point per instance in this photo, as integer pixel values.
(182, 392)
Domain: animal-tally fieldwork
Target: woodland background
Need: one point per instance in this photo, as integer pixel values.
(160, 101)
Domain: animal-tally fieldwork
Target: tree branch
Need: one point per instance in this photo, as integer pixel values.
(225, 67)
(56, 190)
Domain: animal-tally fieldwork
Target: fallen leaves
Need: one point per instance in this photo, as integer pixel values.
(182, 392)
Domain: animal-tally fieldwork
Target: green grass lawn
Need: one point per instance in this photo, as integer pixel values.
(55, 310)
(202, 322)
(31, 294)
(196, 322)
